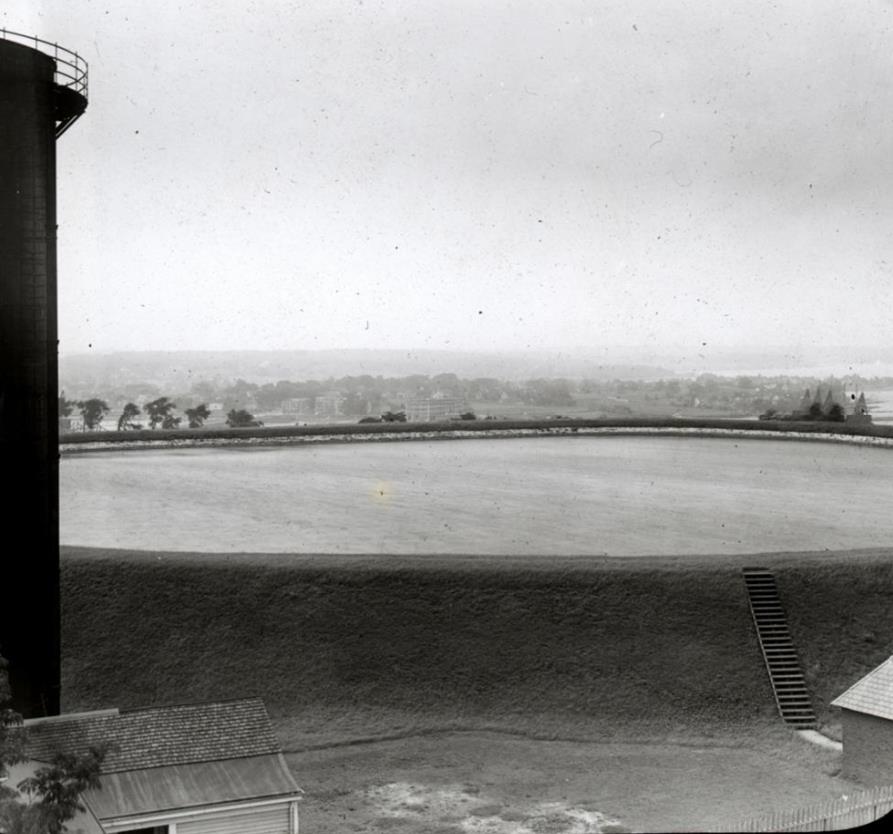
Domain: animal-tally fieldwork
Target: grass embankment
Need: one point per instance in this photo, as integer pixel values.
(345, 647)
(338, 429)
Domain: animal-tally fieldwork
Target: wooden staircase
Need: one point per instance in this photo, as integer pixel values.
(782, 663)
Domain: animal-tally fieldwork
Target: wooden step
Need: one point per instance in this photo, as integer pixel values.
(777, 646)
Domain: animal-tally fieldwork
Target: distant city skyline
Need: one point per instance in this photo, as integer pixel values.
(475, 176)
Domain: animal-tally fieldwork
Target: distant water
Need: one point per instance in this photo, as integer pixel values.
(624, 496)
(864, 369)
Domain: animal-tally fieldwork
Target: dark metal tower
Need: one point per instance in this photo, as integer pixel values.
(43, 90)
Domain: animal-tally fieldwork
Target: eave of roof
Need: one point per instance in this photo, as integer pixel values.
(190, 786)
(871, 695)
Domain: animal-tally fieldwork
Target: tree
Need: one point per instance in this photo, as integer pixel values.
(158, 410)
(125, 421)
(241, 419)
(354, 404)
(449, 384)
(836, 413)
(59, 786)
(198, 415)
(54, 790)
(66, 406)
(548, 392)
(204, 389)
(11, 737)
(92, 411)
(394, 417)
(170, 422)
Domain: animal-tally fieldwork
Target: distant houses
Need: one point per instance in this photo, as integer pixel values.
(829, 407)
(324, 405)
(70, 424)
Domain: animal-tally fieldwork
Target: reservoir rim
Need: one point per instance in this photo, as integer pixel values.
(255, 441)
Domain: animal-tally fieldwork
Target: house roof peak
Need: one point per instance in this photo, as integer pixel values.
(872, 694)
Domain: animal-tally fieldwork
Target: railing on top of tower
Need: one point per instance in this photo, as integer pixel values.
(69, 77)
(71, 69)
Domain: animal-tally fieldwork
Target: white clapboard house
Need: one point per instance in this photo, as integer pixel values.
(867, 720)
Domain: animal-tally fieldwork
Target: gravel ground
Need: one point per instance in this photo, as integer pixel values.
(482, 782)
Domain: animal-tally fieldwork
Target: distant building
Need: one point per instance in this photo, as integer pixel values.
(195, 769)
(859, 414)
(298, 405)
(70, 424)
(431, 409)
(867, 719)
(328, 405)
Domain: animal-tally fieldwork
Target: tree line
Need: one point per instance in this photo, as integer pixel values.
(159, 414)
(365, 395)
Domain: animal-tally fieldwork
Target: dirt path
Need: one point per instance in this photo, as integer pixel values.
(482, 782)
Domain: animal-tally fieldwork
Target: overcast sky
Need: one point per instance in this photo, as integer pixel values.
(474, 175)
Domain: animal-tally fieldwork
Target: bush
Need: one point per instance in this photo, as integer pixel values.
(241, 419)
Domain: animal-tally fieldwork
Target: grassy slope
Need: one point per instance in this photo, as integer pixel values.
(347, 647)
(842, 623)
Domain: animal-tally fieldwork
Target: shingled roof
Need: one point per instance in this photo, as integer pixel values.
(872, 695)
(158, 736)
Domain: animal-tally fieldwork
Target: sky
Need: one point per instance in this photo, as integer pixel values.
(488, 175)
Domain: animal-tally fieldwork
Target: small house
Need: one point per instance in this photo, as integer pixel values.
(70, 424)
(867, 719)
(211, 768)
(859, 414)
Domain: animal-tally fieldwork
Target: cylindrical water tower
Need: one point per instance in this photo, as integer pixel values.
(43, 90)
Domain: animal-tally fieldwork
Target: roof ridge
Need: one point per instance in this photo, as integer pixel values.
(112, 712)
(184, 704)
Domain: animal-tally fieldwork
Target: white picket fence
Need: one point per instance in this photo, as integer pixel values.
(847, 812)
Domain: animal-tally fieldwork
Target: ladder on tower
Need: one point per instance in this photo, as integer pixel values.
(782, 663)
